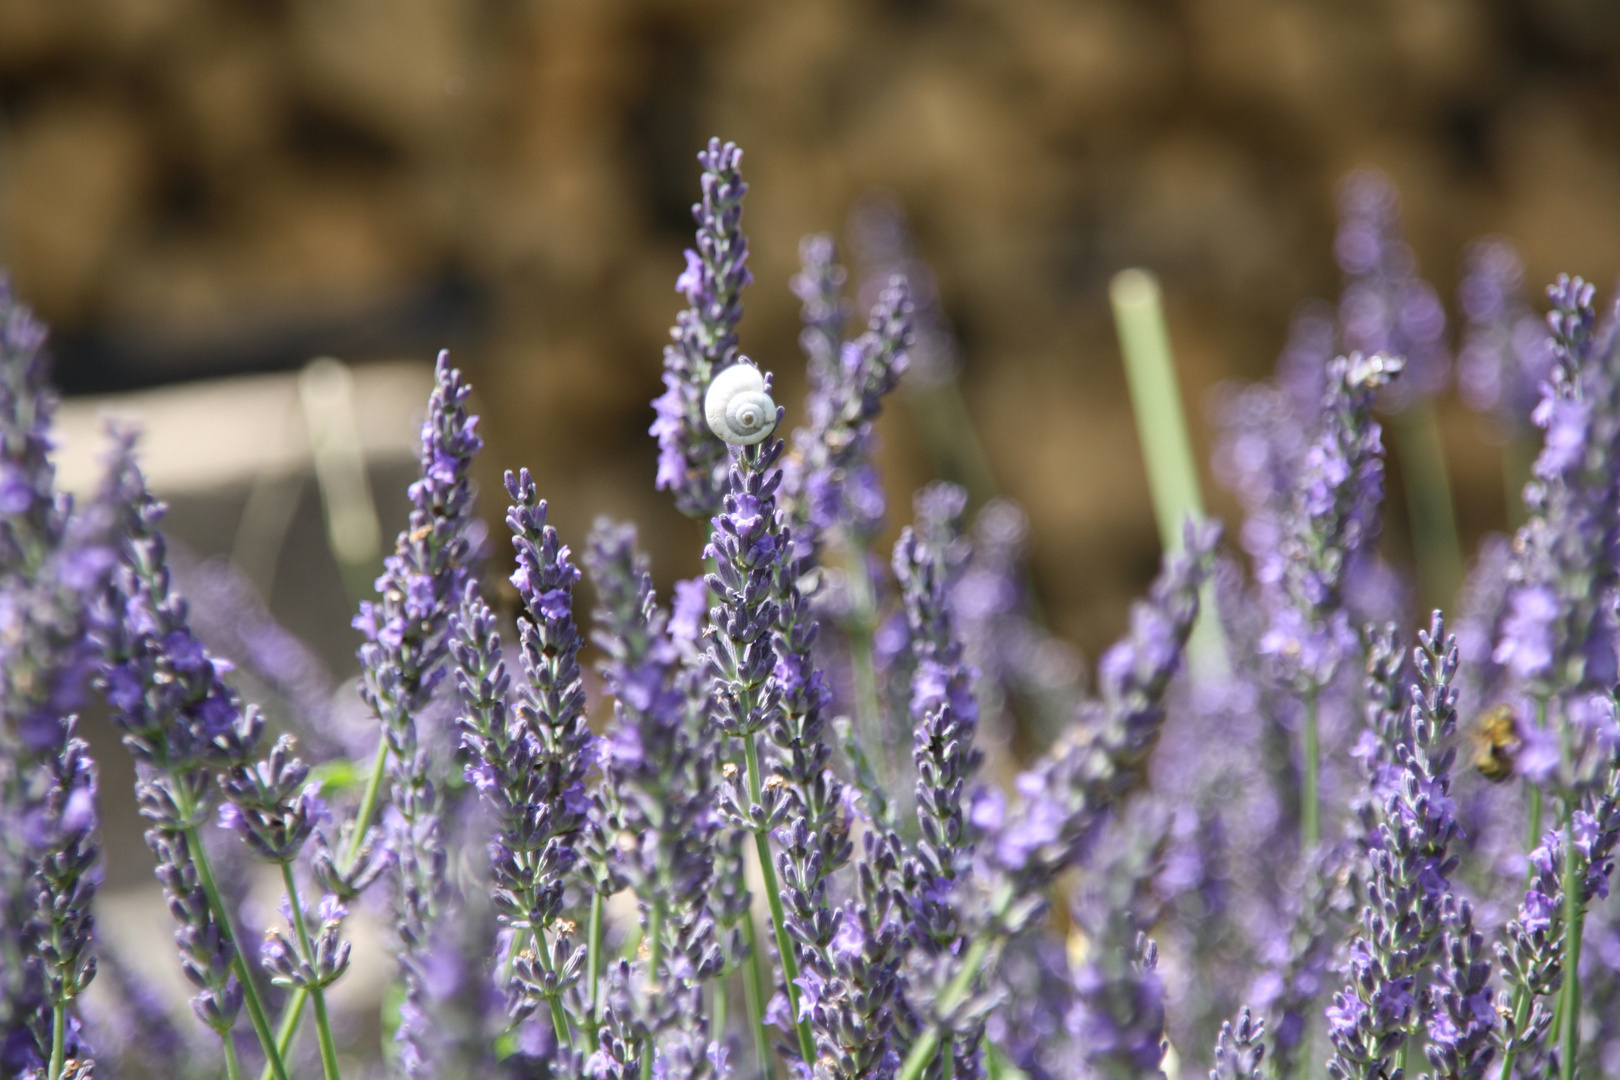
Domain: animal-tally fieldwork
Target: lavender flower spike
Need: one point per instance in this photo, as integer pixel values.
(1402, 921)
(54, 565)
(691, 461)
(1240, 1049)
(750, 634)
(530, 748)
(402, 662)
(657, 798)
(1557, 632)
(1463, 1019)
(180, 722)
(831, 481)
(1070, 792)
(927, 563)
(1332, 520)
(66, 883)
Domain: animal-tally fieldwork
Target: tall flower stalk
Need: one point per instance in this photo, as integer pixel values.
(402, 663)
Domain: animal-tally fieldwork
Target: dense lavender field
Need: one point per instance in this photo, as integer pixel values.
(1296, 827)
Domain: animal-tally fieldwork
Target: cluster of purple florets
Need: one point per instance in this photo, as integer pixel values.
(782, 833)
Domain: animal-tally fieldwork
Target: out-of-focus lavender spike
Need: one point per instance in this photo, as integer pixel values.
(54, 565)
(132, 1022)
(1402, 919)
(1506, 351)
(1240, 1049)
(1294, 978)
(1119, 1016)
(1332, 518)
(406, 632)
(1020, 664)
(530, 751)
(1385, 307)
(819, 285)
(832, 481)
(1069, 793)
(1558, 631)
(657, 791)
(884, 250)
(232, 619)
(691, 460)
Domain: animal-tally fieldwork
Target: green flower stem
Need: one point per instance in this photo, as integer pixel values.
(323, 1030)
(1570, 1011)
(754, 997)
(250, 993)
(927, 1044)
(58, 1040)
(593, 963)
(233, 1068)
(559, 1019)
(773, 895)
(950, 439)
(1161, 425)
(294, 1009)
(1429, 511)
(655, 957)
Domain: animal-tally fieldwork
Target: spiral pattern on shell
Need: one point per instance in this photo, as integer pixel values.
(737, 406)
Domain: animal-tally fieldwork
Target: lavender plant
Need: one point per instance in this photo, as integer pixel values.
(577, 889)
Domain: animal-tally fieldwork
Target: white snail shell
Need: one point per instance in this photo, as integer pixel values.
(737, 407)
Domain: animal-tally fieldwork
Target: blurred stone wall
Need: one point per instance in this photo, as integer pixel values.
(194, 187)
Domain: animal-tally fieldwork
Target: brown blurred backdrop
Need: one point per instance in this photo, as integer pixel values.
(192, 188)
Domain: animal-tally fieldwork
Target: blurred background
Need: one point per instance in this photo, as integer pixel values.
(199, 191)
(192, 190)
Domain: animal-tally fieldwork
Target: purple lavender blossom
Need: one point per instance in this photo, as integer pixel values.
(54, 563)
(1240, 1049)
(1119, 1016)
(927, 563)
(1385, 307)
(885, 249)
(530, 750)
(1462, 1015)
(691, 461)
(1402, 919)
(1558, 631)
(832, 481)
(656, 796)
(402, 663)
(1506, 353)
(1332, 519)
(65, 880)
(1069, 792)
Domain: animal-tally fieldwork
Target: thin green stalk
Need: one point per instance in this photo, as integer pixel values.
(927, 1044)
(323, 1030)
(593, 962)
(773, 895)
(1161, 426)
(58, 1040)
(1429, 508)
(1570, 1012)
(1310, 811)
(655, 956)
(754, 997)
(233, 1068)
(862, 624)
(559, 1019)
(951, 441)
(250, 992)
(947, 1059)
